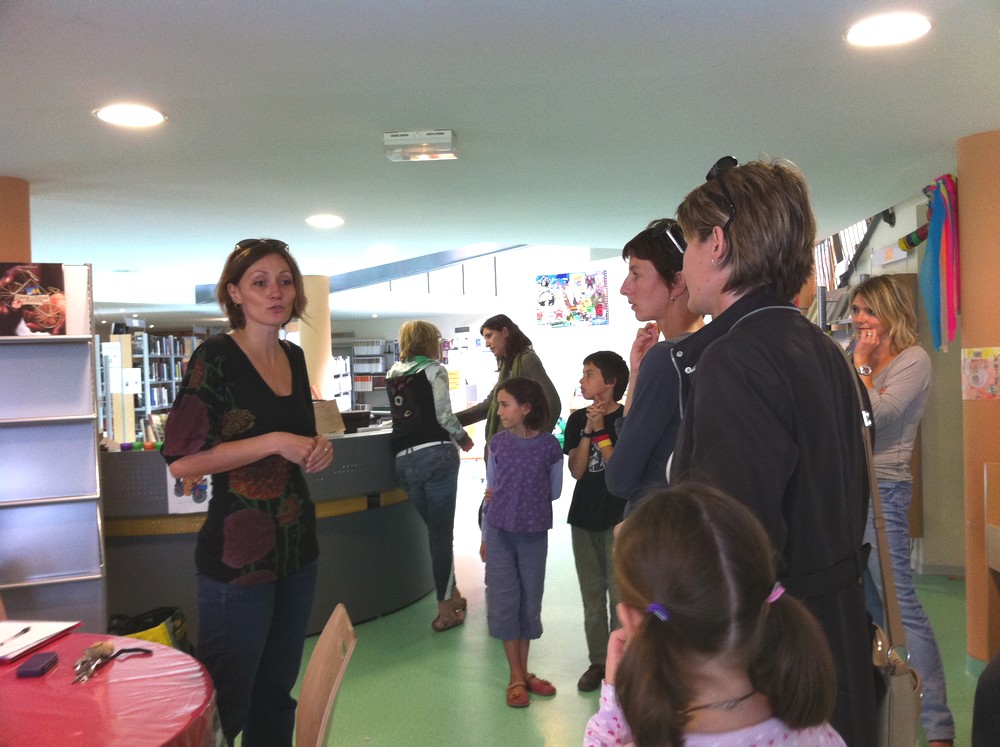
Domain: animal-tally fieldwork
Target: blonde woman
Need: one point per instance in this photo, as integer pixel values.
(897, 373)
(424, 434)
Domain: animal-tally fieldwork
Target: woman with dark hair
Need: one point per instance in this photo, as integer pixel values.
(711, 650)
(656, 289)
(770, 408)
(515, 357)
(244, 415)
(897, 374)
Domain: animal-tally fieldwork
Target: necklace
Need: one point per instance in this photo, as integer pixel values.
(724, 705)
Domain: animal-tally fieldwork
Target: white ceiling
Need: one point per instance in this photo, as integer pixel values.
(576, 122)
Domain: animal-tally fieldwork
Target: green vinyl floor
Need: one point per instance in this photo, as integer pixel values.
(407, 685)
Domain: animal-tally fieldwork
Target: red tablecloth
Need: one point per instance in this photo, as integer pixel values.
(163, 699)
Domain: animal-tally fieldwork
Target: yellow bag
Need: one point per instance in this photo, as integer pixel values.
(164, 625)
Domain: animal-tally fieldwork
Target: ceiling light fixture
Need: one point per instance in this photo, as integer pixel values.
(325, 220)
(888, 29)
(130, 115)
(419, 145)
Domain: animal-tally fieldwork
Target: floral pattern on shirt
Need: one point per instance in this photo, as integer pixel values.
(261, 524)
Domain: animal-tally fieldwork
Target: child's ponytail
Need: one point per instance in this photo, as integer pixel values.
(794, 667)
(650, 686)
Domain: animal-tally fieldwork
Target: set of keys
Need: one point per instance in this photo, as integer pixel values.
(96, 656)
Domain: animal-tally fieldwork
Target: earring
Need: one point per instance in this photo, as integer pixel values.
(673, 298)
(715, 263)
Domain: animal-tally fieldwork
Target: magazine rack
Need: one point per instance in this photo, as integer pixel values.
(51, 546)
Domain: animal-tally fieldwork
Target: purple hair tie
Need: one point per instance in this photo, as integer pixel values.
(659, 612)
(776, 593)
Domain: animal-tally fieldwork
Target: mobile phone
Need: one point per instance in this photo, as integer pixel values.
(38, 664)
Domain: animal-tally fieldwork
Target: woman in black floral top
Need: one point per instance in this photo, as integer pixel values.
(244, 415)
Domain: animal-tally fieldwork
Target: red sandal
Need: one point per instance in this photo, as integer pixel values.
(517, 695)
(538, 686)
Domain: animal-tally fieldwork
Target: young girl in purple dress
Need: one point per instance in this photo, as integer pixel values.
(524, 476)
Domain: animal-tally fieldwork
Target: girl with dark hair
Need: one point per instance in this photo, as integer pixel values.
(524, 476)
(244, 415)
(711, 650)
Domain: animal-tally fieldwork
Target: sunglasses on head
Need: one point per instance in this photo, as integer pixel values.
(715, 173)
(246, 244)
(671, 229)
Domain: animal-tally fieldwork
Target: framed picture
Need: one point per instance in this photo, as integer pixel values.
(571, 299)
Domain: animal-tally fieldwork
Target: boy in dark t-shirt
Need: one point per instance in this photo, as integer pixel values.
(589, 441)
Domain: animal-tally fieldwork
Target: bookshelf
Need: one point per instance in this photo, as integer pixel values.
(139, 375)
(51, 541)
(369, 363)
(162, 359)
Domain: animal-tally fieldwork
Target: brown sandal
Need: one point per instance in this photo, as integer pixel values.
(517, 695)
(460, 603)
(447, 622)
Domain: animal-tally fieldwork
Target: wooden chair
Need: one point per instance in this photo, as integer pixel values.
(322, 679)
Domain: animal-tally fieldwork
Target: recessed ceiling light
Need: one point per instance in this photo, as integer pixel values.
(325, 220)
(130, 115)
(888, 29)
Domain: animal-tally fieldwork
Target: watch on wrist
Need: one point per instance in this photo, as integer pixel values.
(864, 370)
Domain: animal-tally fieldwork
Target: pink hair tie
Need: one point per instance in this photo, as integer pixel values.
(776, 593)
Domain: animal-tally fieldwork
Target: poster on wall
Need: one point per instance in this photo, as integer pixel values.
(981, 373)
(32, 299)
(570, 299)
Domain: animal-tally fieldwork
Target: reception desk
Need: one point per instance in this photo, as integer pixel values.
(373, 545)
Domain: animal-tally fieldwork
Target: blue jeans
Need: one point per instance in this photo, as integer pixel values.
(515, 582)
(250, 639)
(430, 478)
(935, 716)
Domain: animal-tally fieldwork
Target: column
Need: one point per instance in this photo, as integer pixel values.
(314, 332)
(15, 220)
(979, 227)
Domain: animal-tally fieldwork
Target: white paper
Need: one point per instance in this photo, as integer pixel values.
(18, 637)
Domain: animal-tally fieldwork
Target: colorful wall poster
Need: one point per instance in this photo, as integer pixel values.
(571, 299)
(980, 373)
(32, 299)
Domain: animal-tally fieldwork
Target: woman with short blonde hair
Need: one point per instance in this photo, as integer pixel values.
(419, 338)
(424, 434)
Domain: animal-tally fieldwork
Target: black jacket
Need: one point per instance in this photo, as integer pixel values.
(771, 417)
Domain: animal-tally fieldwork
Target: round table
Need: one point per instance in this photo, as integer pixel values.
(136, 700)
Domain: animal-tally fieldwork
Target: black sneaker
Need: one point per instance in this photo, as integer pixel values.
(591, 679)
